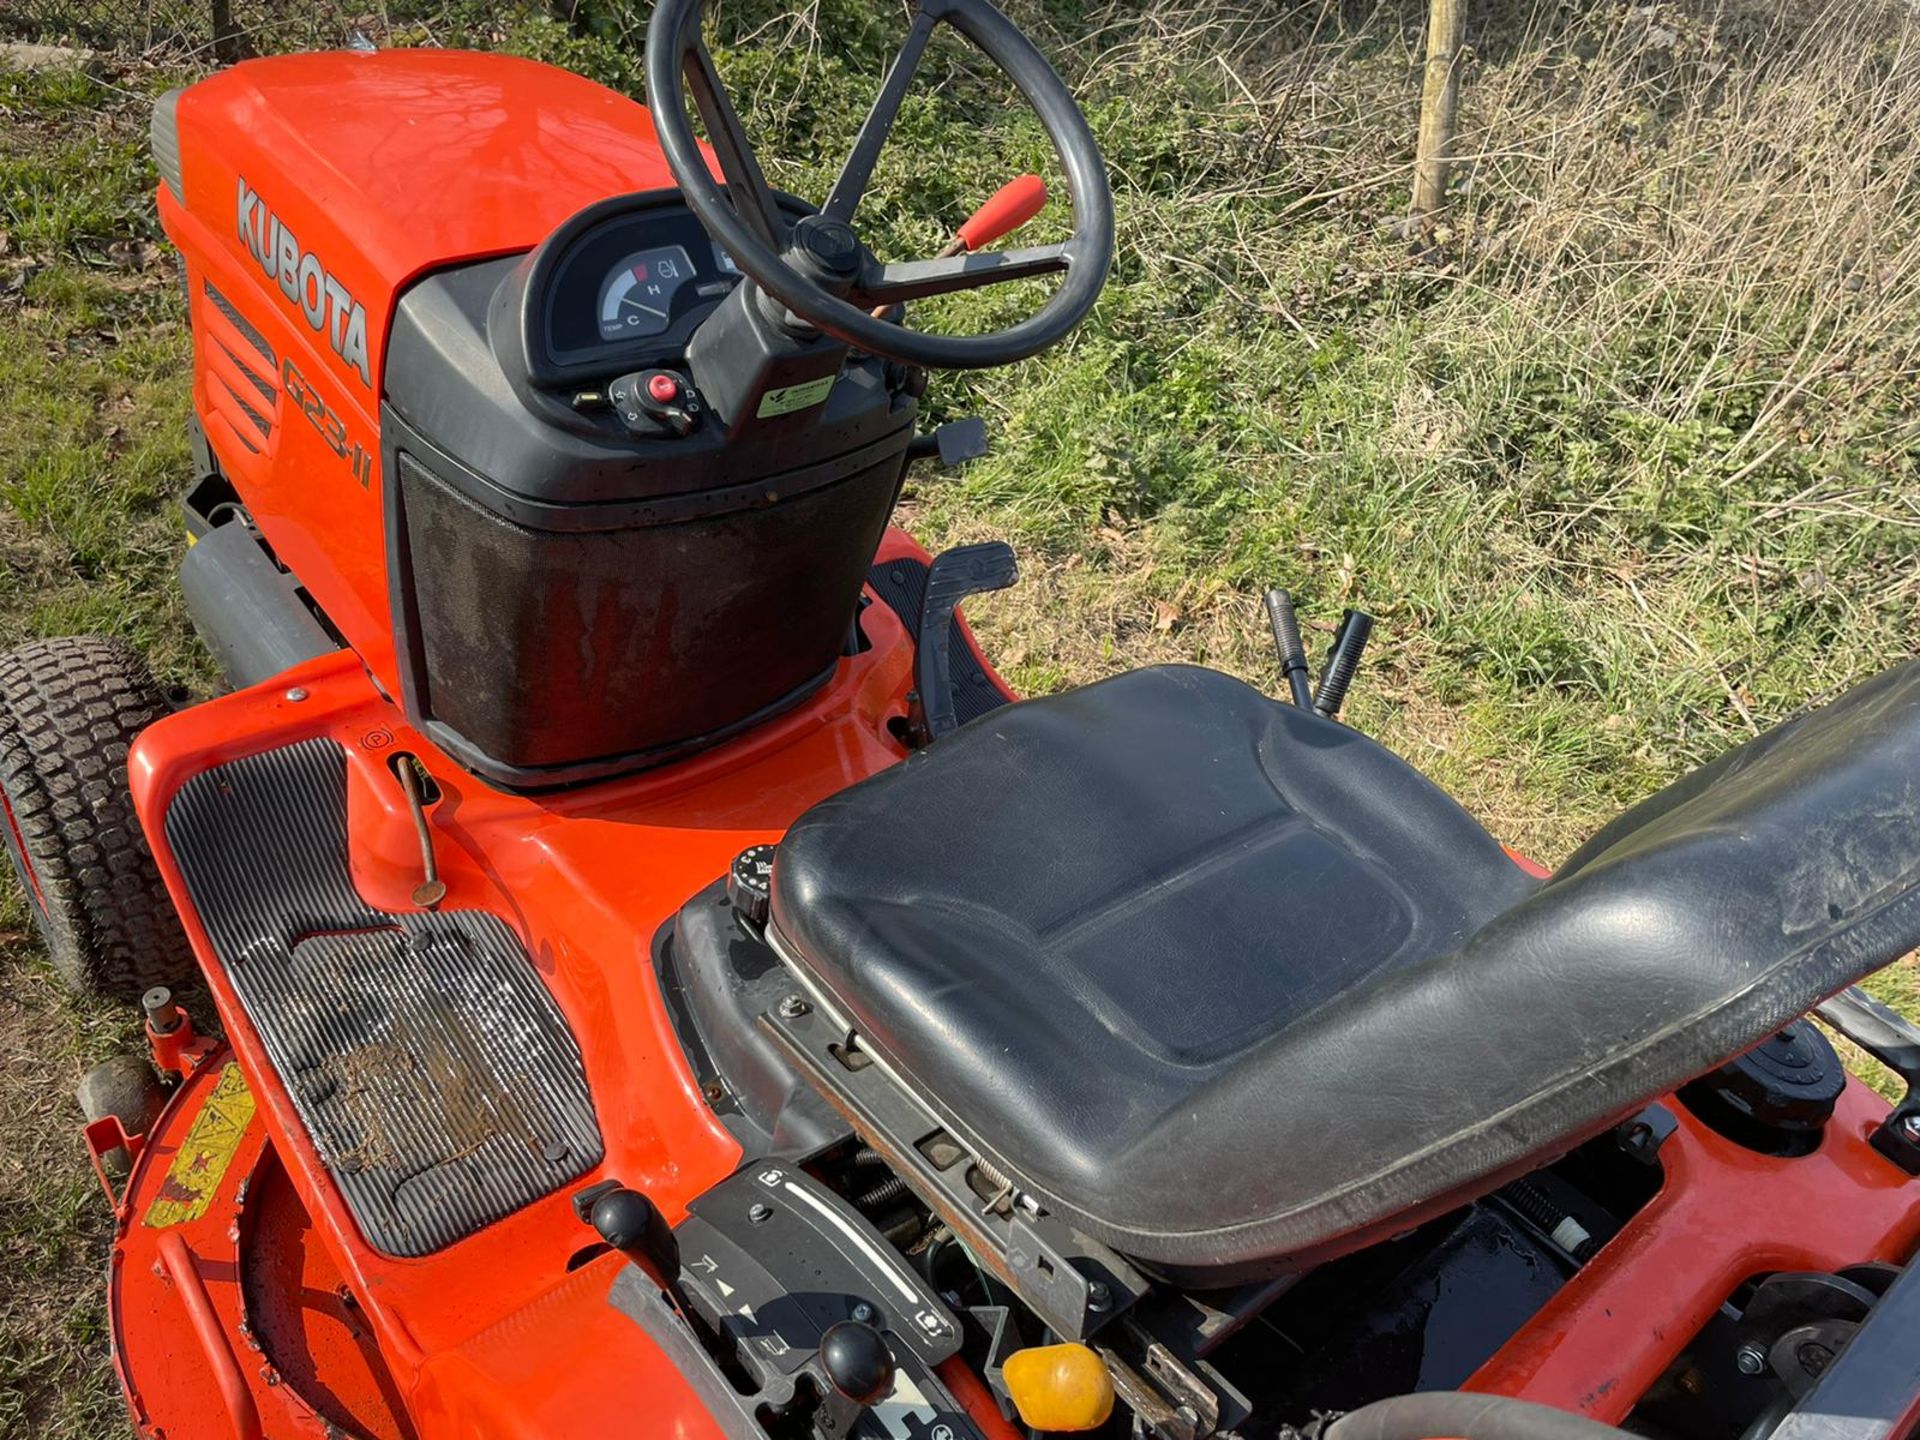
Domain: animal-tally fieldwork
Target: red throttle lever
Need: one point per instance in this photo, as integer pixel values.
(1006, 210)
(1011, 206)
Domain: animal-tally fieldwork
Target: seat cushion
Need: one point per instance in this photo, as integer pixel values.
(1072, 917)
(1228, 987)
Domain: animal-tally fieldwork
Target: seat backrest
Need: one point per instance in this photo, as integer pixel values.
(1683, 933)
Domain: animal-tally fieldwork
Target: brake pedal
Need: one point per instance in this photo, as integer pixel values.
(956, 574)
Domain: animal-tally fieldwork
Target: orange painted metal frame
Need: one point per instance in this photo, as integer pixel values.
(189, 1360)
(493, 1336)
(1723, 1215)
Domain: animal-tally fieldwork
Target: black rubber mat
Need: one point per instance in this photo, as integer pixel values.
(436, 1076)
(903, 585)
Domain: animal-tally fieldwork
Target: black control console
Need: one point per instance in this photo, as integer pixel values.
(807, 1310)
(586, 487)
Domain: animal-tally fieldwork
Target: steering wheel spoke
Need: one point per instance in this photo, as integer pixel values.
(896, 284)
(746, 185)
(874, 130)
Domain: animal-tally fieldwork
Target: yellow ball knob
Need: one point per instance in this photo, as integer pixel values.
(1060, 1387)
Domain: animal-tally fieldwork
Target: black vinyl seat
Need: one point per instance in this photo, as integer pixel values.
(1228, 985)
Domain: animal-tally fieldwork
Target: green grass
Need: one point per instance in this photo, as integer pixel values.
(93, 405)
(1624, 457)
(93, 400)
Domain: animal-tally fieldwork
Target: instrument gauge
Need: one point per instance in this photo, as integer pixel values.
(636, 297)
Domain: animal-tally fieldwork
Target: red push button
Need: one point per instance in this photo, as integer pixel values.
(663, 388)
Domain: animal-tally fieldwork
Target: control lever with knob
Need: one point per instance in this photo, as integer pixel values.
(1006, 210)
(1342, 660)
(1286, 643)
(632, 1224)
(858, 1367)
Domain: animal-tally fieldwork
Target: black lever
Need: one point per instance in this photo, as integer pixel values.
(1342, 660)
(1286, 641)
(953, 443)
(632, 1224)
(960, 572)
(1894, 1041)
(859, 1371)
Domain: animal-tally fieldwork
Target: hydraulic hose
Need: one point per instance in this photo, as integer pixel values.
(1456, 1415)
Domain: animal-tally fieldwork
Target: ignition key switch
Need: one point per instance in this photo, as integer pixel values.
(656, 403)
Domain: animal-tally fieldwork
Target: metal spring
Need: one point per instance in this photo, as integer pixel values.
(1002, 1187)
(885, 1193)
(1533, 1203)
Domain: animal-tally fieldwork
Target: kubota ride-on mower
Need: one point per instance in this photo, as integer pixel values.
(668, 988)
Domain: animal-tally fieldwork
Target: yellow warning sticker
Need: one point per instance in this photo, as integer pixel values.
(201, 1164)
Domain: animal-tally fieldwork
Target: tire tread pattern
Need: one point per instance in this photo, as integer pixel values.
(70, 708)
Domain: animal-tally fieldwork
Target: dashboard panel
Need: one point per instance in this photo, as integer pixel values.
(620, 287)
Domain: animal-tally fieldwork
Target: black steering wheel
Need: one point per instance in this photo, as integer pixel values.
(817, 267)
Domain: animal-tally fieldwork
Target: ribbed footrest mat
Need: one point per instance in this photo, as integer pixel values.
(436, 1076)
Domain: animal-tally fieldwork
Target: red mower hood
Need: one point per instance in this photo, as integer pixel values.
(377, 167)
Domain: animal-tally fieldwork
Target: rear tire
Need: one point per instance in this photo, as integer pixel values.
(69, 710)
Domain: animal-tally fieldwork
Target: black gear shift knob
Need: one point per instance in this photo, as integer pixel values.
(633, 1225)
(857, 1362)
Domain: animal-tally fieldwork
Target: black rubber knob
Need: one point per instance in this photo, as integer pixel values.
(1342, 661)
(750, 883)
(1791, 1081)
(633, 1225)
(1287, 645)
(857, 1362)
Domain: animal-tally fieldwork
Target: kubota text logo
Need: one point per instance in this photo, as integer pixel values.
(326, 303)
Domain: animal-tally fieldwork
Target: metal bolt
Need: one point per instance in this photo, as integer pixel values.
(793, 1007)
(864, 1313)
(1751, 1359)
(1098, 1296)
(1911, 1124)
(296, 694)
(758, 1214)
(554, 1151)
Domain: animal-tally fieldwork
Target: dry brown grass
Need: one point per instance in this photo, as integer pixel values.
(55, 1227)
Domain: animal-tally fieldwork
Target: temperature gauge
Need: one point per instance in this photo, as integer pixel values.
(636, 298)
